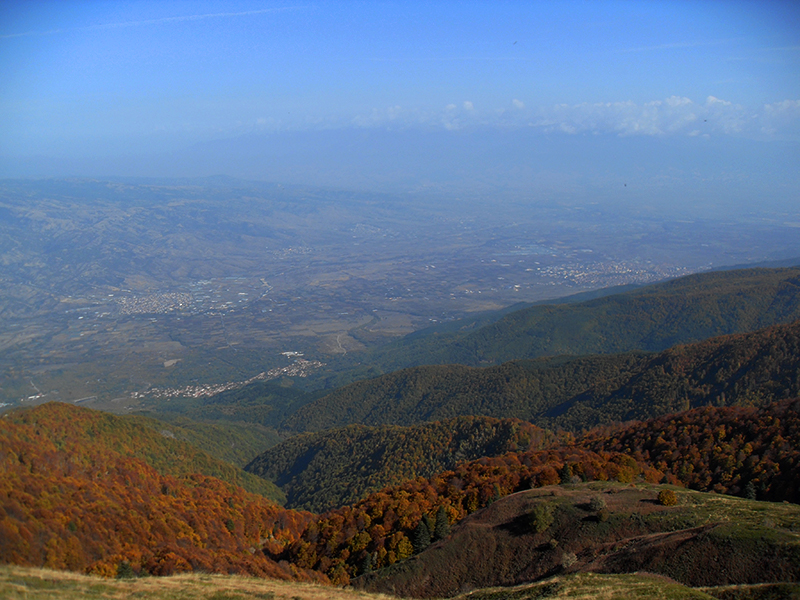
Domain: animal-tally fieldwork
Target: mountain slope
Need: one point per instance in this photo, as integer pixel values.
(746, 451)
(263, 403)
(575, 392)
(651, 318)
(86, 430)
(233, 442)
(711, 448)
(73, 496)
(696, 542)
(324, 470)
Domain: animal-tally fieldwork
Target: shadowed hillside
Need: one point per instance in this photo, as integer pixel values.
(233, 442)
(324, 470)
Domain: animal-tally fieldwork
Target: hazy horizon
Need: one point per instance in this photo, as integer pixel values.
(668, 107)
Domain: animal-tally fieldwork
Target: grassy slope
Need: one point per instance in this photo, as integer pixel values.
(24, 583)
(640, 586)
(21, 583)
(707, 539)
(578, 392)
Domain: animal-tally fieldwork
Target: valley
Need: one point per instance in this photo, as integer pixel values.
(111, 288)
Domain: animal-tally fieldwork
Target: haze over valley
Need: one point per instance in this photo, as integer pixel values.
(115, 291)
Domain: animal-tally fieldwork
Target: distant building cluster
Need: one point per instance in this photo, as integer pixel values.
(291, 251)
(609, 274)
(154, 303)
(299, 368)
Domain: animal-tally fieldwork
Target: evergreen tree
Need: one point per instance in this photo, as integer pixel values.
(541, 517)
(366, 564)
(442, 528)
(125, 571)
(430, 522)
(421, 538)
(750, 491)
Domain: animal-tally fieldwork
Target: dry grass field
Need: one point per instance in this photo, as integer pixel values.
(23, 583)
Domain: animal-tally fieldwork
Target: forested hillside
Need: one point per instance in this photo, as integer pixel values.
(575, 392)
(383, 528)
(652, 318)
(745, 451)
(233, 442)
(319, 471)
(744, 445)
(649, 318)
(74, 494)
(74, 429)
(72, 499)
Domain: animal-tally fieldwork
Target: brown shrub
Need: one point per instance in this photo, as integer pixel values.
(667, 498)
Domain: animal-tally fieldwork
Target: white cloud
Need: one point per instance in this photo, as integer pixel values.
(518, 103)
(726, 116)
(676, 115)
(780, 118)
(381, 117)
(786, 109)
(711, 100)
(672, 116)
(394, 112)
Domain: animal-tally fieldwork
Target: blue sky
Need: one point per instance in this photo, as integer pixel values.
(114, 88)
